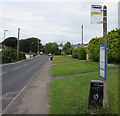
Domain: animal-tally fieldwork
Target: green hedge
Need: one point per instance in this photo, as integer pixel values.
(81, 52)
(10, 55)
(74, 53)
(113, 47)
(93, 48)
(6, 59)
(21, 55)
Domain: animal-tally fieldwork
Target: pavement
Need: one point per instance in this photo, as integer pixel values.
(33, 98)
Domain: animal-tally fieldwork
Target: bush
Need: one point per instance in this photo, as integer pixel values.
(68, 51)
(10, 55)
(74, 53)
(6, 59)
(113, 47)
(81, 52)
(21, 55)
(93, 48)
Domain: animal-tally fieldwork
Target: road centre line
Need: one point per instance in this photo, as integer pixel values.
(25, 64)
(16, 68)
(3, 73)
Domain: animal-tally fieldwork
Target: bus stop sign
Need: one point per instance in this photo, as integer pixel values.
(102, 62)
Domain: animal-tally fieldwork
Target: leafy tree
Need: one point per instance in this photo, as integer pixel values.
(24, 46)
(11, 42)
(30, 44)
(51, 48)
(67, 48)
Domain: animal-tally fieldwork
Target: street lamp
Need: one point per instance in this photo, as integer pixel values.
(5, 33)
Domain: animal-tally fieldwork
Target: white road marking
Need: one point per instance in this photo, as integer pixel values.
(3, 73)
(16, 68)
(25, 64)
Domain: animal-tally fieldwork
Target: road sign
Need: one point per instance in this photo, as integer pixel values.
(102, 62)
(96, 14)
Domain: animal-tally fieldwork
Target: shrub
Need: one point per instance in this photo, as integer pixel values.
(113, 47)
(93, 48)
(74, 53)
(21, 55)
(81, 52)
(5, 59)
(10, 55)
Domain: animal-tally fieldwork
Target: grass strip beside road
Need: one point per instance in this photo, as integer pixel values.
(65, 69)
(70, 95)
(62, 59)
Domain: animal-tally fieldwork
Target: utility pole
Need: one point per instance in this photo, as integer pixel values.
(18, 43)
(105, 82)
(5, 33)
(82, 35)
(38, 47)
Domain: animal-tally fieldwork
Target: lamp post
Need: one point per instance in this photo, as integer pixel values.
(5, 33)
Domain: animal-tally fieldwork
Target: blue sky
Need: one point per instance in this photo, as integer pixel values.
(54, 21)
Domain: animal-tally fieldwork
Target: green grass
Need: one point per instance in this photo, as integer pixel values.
(75, 68)
(70, 95)
(62, 59)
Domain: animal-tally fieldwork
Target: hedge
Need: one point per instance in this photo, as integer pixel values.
(10, 55)
(81, 52)
(74, 53)
(113, 47)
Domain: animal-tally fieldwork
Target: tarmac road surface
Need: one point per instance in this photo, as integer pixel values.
(16, 75)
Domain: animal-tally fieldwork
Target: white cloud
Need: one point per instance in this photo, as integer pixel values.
(54, 21)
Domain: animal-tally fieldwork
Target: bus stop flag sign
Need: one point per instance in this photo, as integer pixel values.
(96, 14)
(102, 62)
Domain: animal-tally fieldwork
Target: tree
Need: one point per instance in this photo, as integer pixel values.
(67, 48)
(30, 44)
(51, 48)
(10, 42)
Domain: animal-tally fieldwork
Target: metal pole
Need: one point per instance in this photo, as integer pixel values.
(82, 34)
(38, 47)
(18, 43)
(105, 82)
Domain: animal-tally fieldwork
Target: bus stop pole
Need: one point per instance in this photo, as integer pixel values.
(105, 81)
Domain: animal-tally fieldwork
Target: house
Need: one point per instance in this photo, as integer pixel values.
(75, 46)
(60, 47)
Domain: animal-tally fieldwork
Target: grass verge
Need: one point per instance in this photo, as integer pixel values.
(62, 59)
(70, 95)
(76, 68)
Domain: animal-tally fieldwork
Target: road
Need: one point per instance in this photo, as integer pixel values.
(16, 76)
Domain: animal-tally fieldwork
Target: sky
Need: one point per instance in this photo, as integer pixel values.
(54, 20)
